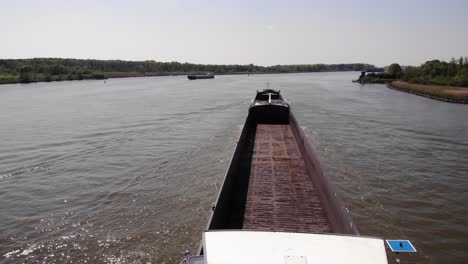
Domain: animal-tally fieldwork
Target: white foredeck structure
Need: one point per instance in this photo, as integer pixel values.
(256, 247)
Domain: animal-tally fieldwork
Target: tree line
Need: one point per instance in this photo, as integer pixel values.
(54, 69)
(452, 73)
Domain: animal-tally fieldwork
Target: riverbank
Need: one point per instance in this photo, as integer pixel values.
(443, 93)
(110, 75)
(96, 76)
(106, 75)
(59, 69)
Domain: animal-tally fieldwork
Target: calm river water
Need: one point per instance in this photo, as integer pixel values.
(125, 171)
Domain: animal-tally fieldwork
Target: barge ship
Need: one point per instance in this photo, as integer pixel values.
(276, 204)
(200, 76)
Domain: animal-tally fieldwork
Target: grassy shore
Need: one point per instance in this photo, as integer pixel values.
(443, 93)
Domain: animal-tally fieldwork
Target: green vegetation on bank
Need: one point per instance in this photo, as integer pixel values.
(453, 73)
(435, 72)
(55, 69)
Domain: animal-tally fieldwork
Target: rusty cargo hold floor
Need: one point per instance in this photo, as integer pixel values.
(281, 195)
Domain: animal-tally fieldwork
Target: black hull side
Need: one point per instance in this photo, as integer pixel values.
(230, 203)
(338, 215)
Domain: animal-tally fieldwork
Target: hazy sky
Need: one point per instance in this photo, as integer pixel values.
(237, 32)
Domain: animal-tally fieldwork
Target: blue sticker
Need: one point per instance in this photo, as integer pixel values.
(400, 246)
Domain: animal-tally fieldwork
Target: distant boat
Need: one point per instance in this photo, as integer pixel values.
(200, 76)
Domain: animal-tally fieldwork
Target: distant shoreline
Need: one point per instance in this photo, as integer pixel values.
(448, 94)
(59, 69)
(106, 76)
